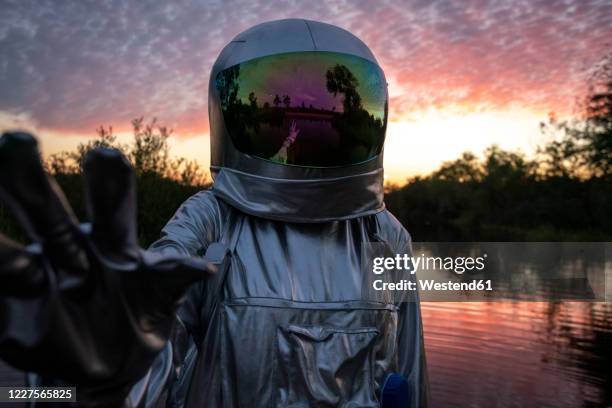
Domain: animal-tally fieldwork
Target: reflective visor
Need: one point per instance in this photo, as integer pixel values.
(316, 109)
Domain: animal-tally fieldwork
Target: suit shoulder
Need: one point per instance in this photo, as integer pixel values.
(204, 204)
(202, 214)
(392, 230)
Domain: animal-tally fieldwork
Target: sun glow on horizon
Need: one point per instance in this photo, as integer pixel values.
(419, 144)
(415, 145)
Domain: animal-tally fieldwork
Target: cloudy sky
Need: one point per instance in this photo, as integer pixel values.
(462, 75)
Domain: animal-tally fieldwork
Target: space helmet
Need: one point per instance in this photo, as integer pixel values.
(298, 114)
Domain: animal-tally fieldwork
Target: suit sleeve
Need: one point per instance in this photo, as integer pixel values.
(195, 225)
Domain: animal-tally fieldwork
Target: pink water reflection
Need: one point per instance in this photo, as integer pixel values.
(518, 354)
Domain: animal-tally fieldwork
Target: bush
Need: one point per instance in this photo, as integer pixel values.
(163, 182)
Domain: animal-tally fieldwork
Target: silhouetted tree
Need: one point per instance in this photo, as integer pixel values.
(340, 80)
(253, 100)
(466, 168)
(597, 135)
(583, 147)
(149, 153)
(228, 86)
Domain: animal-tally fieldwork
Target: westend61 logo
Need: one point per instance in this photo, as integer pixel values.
(455, 265)
(459, 265)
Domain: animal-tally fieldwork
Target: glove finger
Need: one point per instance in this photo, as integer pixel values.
(41, 206)
(38, 202)
(20, 273)
(155, 290)
(190, 268)
(110, 191)
(177, 272)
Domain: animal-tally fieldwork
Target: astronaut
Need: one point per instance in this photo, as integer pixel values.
(253, 296)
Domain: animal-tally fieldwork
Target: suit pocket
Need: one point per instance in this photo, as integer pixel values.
(326, 367)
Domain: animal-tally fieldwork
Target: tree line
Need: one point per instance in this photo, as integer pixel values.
(564, 193)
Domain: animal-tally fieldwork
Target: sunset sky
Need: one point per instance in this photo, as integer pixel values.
(462, 74)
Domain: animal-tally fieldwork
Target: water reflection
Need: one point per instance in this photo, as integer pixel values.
(518, 354)
(535, 271)
(337, 104)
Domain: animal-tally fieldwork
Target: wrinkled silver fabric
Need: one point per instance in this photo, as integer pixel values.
(283, 199)
(287, 324)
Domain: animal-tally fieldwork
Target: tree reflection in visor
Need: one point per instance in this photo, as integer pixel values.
(315, 109)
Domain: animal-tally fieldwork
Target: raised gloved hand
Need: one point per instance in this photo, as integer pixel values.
(84, 304)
